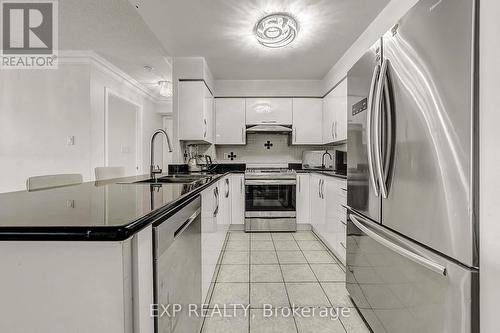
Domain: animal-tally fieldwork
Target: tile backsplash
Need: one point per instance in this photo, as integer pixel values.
(267, 148)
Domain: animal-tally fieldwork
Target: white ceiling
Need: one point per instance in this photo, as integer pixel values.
(221, 31)
(114, 30)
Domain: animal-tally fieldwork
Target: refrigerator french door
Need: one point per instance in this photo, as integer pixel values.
(411, 168)
(400, 286)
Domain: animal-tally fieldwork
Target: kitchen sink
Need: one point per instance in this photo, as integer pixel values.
(178, 179)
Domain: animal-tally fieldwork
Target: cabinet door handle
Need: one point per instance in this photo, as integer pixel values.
(227, 188)
(319, 188)
(294, 132)
(205, 128)
(216, 195)
(333, 134)
(298, 178)
(243, 135)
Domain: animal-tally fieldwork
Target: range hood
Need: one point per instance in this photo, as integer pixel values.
(269, 129)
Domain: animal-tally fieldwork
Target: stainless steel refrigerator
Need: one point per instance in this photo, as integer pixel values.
(412, 236)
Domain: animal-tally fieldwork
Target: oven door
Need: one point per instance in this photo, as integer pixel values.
(270, 205)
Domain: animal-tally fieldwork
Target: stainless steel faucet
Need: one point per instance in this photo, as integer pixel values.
(155, 170)
(323, 166)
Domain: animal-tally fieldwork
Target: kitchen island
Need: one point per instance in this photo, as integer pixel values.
(80, 258)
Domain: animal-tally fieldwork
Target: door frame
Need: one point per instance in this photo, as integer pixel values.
(139, 116)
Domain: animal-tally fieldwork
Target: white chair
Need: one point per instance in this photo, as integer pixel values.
(52, 181)
(103, 173)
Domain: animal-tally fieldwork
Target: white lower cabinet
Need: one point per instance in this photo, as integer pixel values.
(225, 202)
(237, 199)
(213, 232)
(317, 203)
(328, 212)
(303, 198)
(335, 225)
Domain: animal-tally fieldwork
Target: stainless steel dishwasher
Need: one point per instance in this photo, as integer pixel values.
(177, 268)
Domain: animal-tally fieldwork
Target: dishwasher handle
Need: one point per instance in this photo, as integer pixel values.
(187, 223)
(170, 229)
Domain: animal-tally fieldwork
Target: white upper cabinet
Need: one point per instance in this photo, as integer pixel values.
(335, 114)
(195, 112)
(307, 121)
(340, 127)
(230, 121)
(269, 111)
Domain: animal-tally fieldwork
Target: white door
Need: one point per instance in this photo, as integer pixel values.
(303, 198)
(307, 121)
(237, 199)
(122, 133)
(230, 121)
(269, 111)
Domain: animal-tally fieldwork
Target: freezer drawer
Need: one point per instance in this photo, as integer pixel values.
(400, 286)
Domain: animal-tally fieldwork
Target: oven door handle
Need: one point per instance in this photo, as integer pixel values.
(270, 182)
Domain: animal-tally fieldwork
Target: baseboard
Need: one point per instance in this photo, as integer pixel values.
(241, 227)
(304, 227)
(237, 227)
(329, 248)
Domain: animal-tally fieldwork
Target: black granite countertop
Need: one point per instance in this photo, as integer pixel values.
(323, 173)
(96, 211)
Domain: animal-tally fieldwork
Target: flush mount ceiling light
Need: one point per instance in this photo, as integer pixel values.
(276, 30)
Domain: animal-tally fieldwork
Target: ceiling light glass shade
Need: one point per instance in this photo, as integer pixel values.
(276, 30)
(165, 88)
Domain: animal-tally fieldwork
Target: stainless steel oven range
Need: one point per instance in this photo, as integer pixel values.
(270, 195)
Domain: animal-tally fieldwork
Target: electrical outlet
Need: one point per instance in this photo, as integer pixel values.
(125, 149)
(70, 140)
(70, 203)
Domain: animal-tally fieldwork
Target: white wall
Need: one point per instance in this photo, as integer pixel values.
(394, 10)
(489, 164)
(39, 109)
(122, 127)
(263, 88)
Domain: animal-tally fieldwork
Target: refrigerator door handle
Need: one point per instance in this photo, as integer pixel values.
(378, 148)
(369, 130)
(427, 263)
(390, 142)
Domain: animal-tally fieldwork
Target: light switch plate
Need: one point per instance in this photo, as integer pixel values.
(70, 140)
